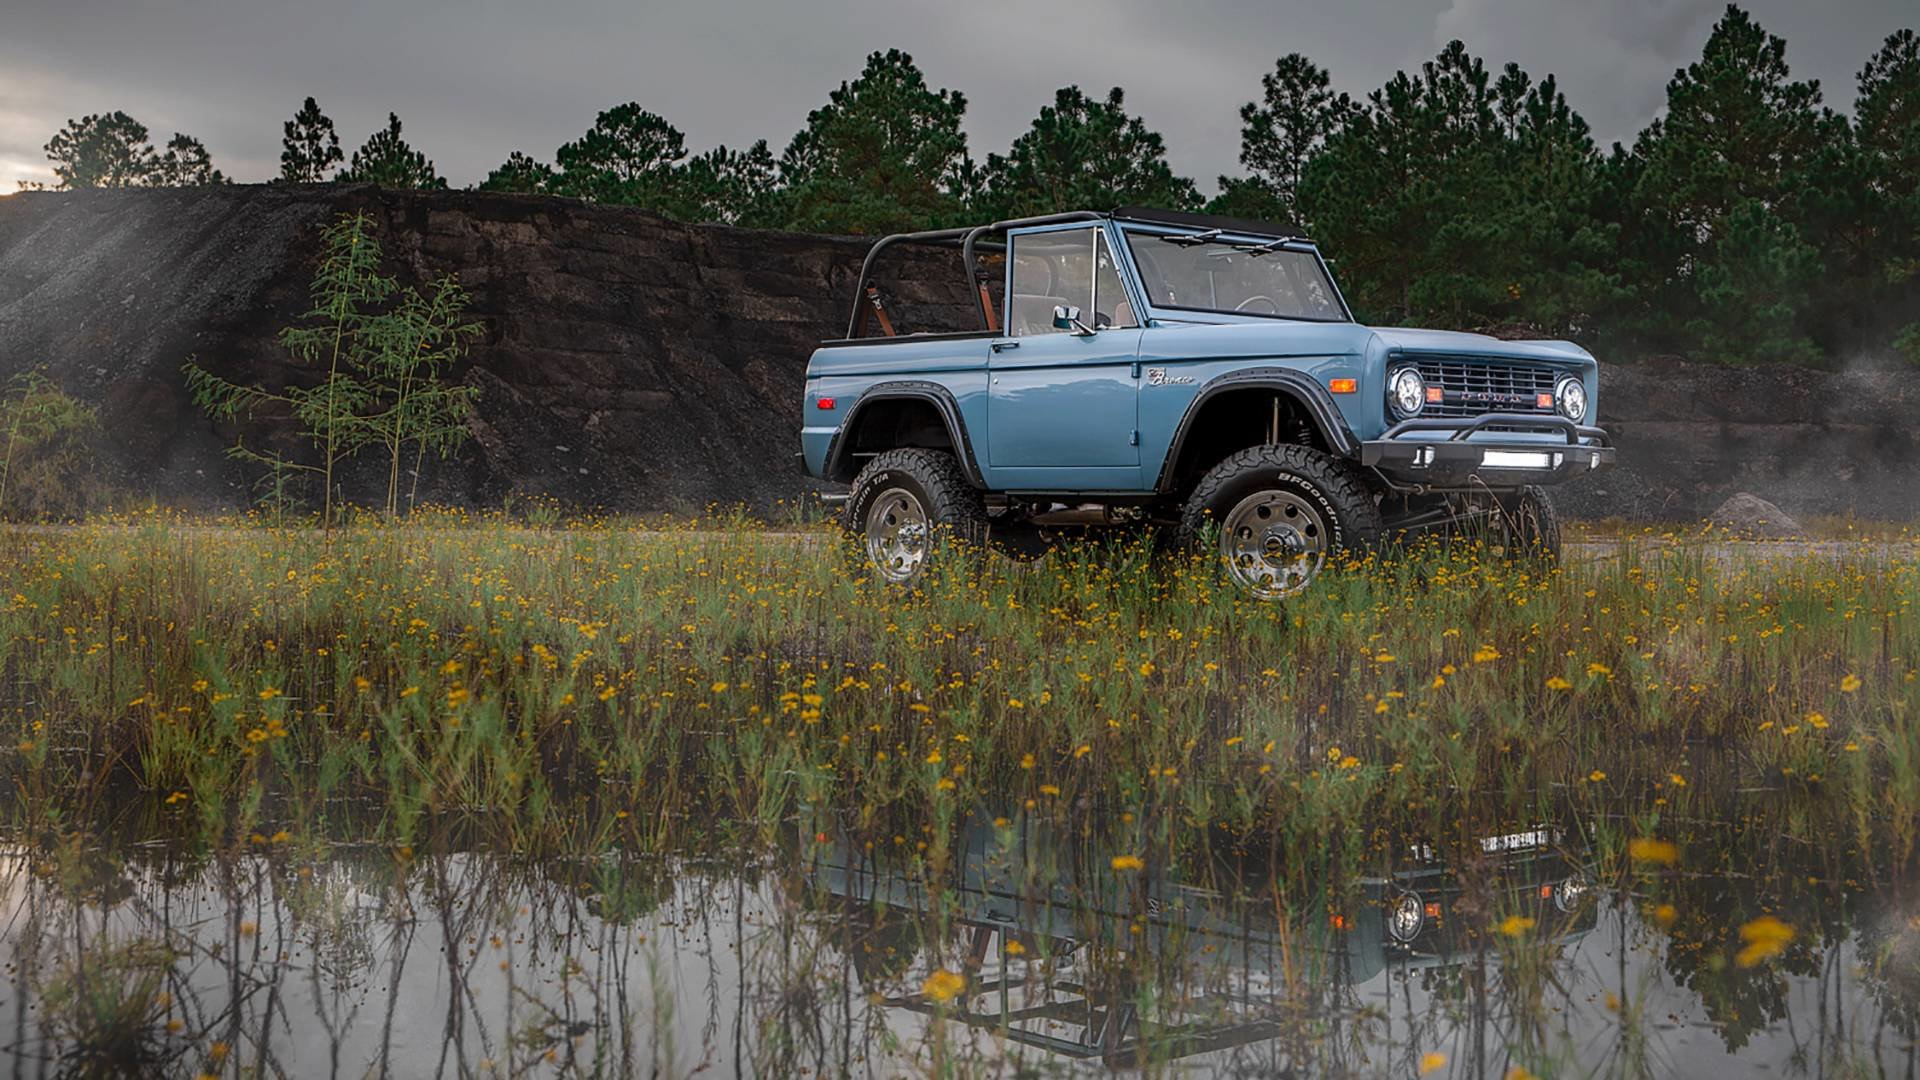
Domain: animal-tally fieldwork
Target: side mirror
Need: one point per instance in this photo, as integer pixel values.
(1067, 317)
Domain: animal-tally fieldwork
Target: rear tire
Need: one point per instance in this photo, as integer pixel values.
(1280, 511)
(907, 509)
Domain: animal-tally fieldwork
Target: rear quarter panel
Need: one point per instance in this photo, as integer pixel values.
(841, 374)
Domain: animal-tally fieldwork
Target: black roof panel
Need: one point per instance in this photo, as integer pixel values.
(1157, 216)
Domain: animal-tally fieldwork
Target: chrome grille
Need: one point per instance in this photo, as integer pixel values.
(1473, 385)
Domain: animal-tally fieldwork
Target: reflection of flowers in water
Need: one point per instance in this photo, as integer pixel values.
(1766, 937)
(943, 985)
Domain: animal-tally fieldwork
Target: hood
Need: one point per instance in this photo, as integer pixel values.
(1405, 339)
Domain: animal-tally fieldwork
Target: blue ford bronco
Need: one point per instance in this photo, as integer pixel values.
(1196, 373)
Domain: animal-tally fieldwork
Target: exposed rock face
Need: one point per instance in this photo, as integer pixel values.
(633, 363)
(1754, 518)
(628, 362)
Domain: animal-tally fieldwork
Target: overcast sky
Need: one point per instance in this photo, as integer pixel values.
(473, 80)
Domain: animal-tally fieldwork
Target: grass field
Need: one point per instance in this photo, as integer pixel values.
(552, 692)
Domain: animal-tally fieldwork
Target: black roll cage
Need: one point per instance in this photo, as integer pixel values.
(866, 295)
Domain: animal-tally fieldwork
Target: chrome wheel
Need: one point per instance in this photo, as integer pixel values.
(896, 535)
(1273, 543)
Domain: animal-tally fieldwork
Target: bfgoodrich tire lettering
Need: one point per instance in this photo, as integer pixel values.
(1292, 507)
(906, 508)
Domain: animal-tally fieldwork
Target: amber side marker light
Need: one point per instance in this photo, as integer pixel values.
(1344, 386)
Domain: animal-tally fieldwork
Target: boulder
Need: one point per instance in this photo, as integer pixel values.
(1751, 517)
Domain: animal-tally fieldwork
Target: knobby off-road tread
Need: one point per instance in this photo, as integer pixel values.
(1548, 546)
(1342, 490)
(954, 507)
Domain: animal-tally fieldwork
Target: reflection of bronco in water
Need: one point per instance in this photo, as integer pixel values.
(1061, 951)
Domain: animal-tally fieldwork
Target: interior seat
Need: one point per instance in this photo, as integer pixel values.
(1033, 313)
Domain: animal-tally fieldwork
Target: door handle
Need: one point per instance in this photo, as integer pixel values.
(1003, 346)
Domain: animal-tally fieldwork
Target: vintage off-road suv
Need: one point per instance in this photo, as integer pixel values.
(1147, 367)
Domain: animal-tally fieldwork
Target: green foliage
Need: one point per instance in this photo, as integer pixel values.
(309, 146)
(519, 173)
(101, 150)
(1907, 344)
(738, 187)
(628, 156)
(45, 466)
(1082, 153)
(1282, 131)
(387, 160)
(112, 150)
(1737, 142)
(1887, 133)
(383, 351)
(185, 164)
(633, 157)
(1459, 199)
(883, 154)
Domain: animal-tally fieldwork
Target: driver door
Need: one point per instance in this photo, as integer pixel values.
(1062, 403)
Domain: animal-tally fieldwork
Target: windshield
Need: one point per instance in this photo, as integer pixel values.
(1207, 272)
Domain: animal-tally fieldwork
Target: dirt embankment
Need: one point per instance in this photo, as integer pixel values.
(633, 363)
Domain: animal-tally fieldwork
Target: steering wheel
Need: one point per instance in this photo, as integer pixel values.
(1268, 300)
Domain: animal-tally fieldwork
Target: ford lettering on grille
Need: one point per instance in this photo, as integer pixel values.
(1472, 385)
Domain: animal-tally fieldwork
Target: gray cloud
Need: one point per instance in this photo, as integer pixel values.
(474, 80)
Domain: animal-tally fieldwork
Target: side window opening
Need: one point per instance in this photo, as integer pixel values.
(1070, 267)
(1049, 269)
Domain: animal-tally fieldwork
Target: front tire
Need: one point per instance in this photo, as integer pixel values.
(1281, 511)
(906, 509)
(1525, 526)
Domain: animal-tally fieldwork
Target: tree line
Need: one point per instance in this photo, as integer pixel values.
(1750, 223)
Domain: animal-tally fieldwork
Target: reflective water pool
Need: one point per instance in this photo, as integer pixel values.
(1015, 945)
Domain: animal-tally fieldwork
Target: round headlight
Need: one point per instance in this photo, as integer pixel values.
(1406, 917)
(1406, 392)
(1568, 894)
(1570, 396)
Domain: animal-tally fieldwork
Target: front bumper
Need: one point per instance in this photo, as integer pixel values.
(1464, 453)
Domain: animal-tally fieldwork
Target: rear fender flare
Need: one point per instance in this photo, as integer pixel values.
(943, 402)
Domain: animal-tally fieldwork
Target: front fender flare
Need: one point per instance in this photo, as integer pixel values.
(1296, 384)
(933, 393)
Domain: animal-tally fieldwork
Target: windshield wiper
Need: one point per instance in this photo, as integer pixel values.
(1254, 251)
(1191, 239)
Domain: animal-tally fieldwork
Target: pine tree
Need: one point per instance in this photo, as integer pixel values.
(1723, 186)
(1281, 132)
(185, 164)
(309, 146)
(1085, 153)
(879, 156)
(388, 161)
(519, 173)
(627, 157)
(102, 150)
